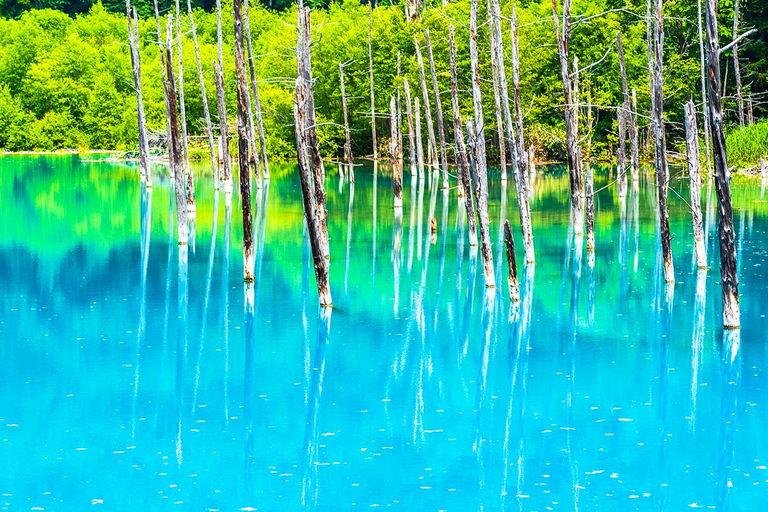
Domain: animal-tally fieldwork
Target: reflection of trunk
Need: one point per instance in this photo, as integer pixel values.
(694, 173)
(729, 278)
(697, 344)
(146, 233)
(514, 287)
(462, 163)
(181, 342)
(730, 383)
(225, 299)
(438, 111)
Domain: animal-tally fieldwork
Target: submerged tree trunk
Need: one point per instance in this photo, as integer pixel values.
(348, 140)
(256, 104)
(431, 143)
(462, 162)
(497, 97)
(662, 177)
(394, 154)
(225, 172)
(206, 111)
(728, 269)
(694, 174)
(133, 42)
(514, 285)
(243, 143)
(438, 111)
(411, 135)
(165, 92)
(481, 181)
(621, 154)
(175, 151)
(370, 72)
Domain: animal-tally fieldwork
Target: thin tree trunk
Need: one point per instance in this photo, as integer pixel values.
(514, 285)
(521, 178)
(481, 181)
(431, 144)
(662, 179)
(165, 93)
(497, 97)
(634, 149)
(373, 102)
(133, 42)
(243, 143)
(348, 141)
(523, 161)
(219, 41)
(590, 204)
(728, 269)
(394, 154)
(704, 109)
(736, 66)
(694, 174)
(419, 140)
(206, 111)
(571, 119)
(623, 115)
(225, 172)
(399, 110)
(411, 135)
(253, 156)
(462, 162)
(438, 110)
(175, 151)
(256, 104)
(183, 109)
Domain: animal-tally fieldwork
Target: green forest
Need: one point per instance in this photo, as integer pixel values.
(66, 82)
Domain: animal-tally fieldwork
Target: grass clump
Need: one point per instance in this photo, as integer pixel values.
(746, 145)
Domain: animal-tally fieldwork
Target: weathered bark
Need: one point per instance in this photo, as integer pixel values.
(662, 176)
(531, 160)
(206, 111)
(694, 174)
(308, 197)
(348, 141)
(373, 102)
(623, 115)
(481, 181)
(411, 135)
(514, 285)
(183, 110)
(523, 161)
(521, 178)
(253, 156)
(497, 97)
(175, 151)
(438, 110)
(304, 66)
(633, 143)
(219, 41)
(462, 162)
(394, 154)
(256, 104)
(590, 204)
(225, 172)
(570, 112)
(431, 144)
(704, 109)
(728, 269)
(165, 93)
(133, 43)
(243, 143)
(413, 10)
(419, 144)
(399, 110)
(736, 66)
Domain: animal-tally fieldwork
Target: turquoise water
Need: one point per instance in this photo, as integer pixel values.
(131, 380)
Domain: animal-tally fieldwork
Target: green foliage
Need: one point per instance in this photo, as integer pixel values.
(747, 145)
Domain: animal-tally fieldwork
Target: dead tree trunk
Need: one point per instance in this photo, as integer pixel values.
(394, 154)
(634, 149)
(621, 154)
(431, 143)
(704, 109)
(571, 119)
(225, 172)
(462, 162)
(206, 111)
(419, 140)
(183, 111)
(514, 285)
(736, 66)
(521, 178)
(165, 93)
(662, 177)
(219, 41)
(256, 104)
(348, 141)
(523, 162)
(243, 143)
(370, 72)
(481, 181)
(590, 215)
(694, 174)
(728, 269)
(253, 156)
(497, 98)
(438, 111)
(399, 110)
(175, 151)
(133, 43)
(411, 135)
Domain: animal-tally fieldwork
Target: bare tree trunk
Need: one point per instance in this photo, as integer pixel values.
(728, 270)
(348, 142)
(571, 119)
(225, 172)
(419, 143)
(175, 151)
(481, 181)
(523, 161)
(183, 110)
(662, 176)
(133, 43)
(411, 136)
(399, 111)
(634, 149)
(253, 156)
(219, 41)
(704, 109)
(736, 66)
(206, 111)
(621, 154)
(394, 154)
(438, 111)
(370, 72)
(256, 105)
(496, 97)
(514, 285)
(462, 162)
(694, 174)
(431, 144)
(521, 178)
(165, 93)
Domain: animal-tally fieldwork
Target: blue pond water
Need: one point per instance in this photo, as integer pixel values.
(133, 379)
